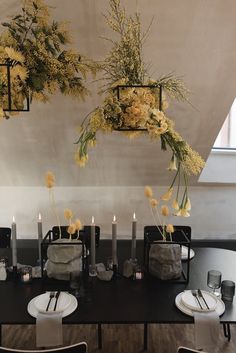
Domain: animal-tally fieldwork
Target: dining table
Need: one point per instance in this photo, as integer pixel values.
(121, 300)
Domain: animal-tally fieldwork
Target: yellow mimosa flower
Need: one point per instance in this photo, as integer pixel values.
(148, 191)
(165, 210)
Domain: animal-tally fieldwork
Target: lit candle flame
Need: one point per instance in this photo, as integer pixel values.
(114, 218)
(40, 218)
(134, 217)
(92, 219)
(13, 220)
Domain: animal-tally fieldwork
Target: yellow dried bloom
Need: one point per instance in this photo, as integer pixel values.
(170, 228)
(68, 214)
(81, 160)
(78, 224)
(50, 180)
(184, 212)
(148, 191)
(153, 203)
(71, 229)
(167, 195)
(14, 55)
(188, 205)
(19, 71)
(165, 210)
(1, 113)
(172, 165)
(175, 205)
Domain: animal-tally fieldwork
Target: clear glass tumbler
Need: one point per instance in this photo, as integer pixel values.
(214, 281)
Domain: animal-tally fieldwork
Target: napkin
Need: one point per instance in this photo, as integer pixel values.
(49, 329)
(207, 327)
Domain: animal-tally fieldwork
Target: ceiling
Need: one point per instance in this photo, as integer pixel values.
(193, 39)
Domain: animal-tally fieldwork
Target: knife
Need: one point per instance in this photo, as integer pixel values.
(201, 296)
(56, 296)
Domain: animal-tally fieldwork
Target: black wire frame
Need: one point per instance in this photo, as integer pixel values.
(117, 89)
(9, 97)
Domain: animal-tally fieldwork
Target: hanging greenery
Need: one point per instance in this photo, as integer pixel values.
(37, 48)
(134, 103)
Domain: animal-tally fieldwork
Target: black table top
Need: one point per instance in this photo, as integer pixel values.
(124, 300)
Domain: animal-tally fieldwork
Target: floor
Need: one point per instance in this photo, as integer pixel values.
(119, 338)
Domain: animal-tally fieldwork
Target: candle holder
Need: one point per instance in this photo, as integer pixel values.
(26, 274)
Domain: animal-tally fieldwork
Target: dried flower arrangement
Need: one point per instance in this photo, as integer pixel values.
(73, 227)
(134, 103)
(36, 48)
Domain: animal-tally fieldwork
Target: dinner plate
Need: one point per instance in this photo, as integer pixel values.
(220, 306)
(184, 253)
(192, 303)
(42, 300)
(33, 311)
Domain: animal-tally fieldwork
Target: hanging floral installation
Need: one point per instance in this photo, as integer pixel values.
(136, 104)
(37, 50)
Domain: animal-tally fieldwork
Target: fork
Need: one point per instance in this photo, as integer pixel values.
(51, 296)
(195, 295)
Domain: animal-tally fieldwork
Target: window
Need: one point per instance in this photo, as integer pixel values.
(226, 138)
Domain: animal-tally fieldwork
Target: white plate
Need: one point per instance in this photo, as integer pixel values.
(220, 307)
(191, 302)
(42, 300)
(184, 253)
(33, 311)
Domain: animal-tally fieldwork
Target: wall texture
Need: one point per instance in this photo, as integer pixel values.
(212, 215)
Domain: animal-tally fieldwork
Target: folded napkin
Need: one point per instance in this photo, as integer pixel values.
(49, 329)
(207, 327)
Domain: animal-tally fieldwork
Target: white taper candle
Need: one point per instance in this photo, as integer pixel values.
(14, 248)
(114, 241)
(134, 229)
(93, 244)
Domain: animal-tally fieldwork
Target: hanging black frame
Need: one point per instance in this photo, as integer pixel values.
(9, 95)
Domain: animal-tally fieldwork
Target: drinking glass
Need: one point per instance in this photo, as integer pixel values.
(214, 281)
(227, 290)
(75, 282)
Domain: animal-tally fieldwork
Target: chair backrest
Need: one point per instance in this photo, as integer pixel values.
(75, 348)
(64, 233)
(5, 237)
(188, 350)
(152, 233)
(84, 235)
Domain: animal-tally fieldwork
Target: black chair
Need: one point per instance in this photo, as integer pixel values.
(84, 235)
(74, 348)
(188, 350)
(64, 234)
(5, 237)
